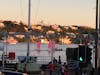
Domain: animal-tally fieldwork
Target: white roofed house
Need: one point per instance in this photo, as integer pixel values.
(1, 25)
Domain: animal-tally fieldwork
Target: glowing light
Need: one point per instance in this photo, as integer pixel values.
(42, 40)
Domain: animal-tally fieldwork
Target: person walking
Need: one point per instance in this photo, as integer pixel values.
(54, 60)
(59, 61)
(66, 71)
(63, 68)
(43, 70)
(56, 69)
(51, 68)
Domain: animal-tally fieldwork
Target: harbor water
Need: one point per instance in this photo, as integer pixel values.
(20, 49)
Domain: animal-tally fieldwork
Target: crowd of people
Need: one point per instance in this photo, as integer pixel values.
(56, 67)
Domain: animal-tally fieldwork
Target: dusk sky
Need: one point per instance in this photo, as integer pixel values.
(62, 12)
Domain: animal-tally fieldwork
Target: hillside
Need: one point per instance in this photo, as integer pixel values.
(72, 32)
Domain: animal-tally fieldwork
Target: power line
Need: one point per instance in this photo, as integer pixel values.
(20, 9)
(37, 10)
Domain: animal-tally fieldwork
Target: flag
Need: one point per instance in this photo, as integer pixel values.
(51, 46)
(55, 45)
(38, 46)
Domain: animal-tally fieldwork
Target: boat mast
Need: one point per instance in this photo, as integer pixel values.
(29, 27)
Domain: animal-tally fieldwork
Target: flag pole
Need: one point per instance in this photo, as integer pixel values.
(28, 35)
